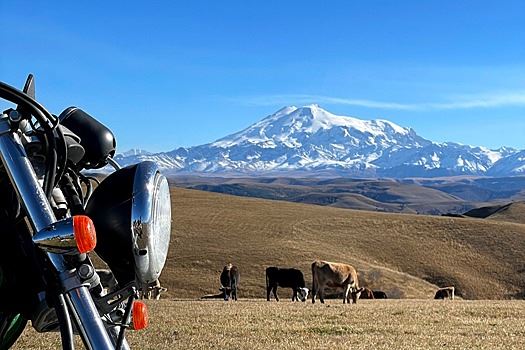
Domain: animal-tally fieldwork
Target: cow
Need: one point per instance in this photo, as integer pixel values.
(335, 275)
(286, 278)
(230, 277)
(367, 294)
(379, 294)
(445, 293)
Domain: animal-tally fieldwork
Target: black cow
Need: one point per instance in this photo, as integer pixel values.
(442, 294)
(286, 278)
(445, 293)
(230, 277)
(379, 294)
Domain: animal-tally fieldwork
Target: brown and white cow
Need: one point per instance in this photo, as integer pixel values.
(335, 275)
(367, 293)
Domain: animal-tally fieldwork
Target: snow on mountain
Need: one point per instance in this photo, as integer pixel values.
(135, 152)
(438, 159)
(294, 127)
(513, 164)
(310, 138)
(164, 160)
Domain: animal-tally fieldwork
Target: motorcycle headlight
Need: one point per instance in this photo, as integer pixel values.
(131, 210)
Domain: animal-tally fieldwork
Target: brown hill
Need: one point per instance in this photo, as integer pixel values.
(405, 255)
(512, 212)
(387, 195)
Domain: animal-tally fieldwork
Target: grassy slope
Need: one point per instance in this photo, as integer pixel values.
(513, 212)
(393, 252)
(371, 324)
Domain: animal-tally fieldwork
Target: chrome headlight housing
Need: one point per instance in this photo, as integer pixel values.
(131, 210)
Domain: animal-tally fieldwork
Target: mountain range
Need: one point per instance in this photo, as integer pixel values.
(310, 140)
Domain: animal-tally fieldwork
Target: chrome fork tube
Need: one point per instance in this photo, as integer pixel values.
(24, 179)
(86, 312)
(40, 214)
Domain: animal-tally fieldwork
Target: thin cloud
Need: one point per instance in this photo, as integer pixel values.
(513, 99)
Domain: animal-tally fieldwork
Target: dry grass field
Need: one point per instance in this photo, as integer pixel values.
(408, 256)
(371, 324)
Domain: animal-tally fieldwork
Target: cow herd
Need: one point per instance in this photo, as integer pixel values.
(324, 275)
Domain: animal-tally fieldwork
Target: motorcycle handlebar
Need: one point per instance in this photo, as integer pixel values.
(40, 214)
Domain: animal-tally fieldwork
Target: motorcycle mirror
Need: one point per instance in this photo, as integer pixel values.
(29, 90)
(29, 87)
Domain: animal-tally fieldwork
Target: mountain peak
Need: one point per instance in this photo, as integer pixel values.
(309, 138)
(285, 110)
(294, 127)
(313, 106)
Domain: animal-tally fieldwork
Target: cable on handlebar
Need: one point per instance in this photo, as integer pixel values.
(126, 320)
(66, 328)
(47, 121)
(63, 146)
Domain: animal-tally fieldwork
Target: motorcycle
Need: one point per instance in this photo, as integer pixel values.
(57, 221)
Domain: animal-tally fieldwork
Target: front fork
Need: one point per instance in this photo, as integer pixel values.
(40, 214)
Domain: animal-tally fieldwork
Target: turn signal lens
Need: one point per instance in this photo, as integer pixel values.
(85, 234)
(140, 315)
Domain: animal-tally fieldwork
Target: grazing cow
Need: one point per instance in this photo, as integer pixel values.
(379, 294)
(367, 294)
(335, 275)
(286, 278)
(230, 277)
(445, 293)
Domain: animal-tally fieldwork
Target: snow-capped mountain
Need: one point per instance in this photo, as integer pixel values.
(312, 139)
(514, 164)
(135, 152)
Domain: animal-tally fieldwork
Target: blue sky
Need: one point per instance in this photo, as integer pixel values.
(181, 73)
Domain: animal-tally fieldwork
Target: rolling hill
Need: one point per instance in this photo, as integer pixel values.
(403, 254)
(385, 195)
(511, 212)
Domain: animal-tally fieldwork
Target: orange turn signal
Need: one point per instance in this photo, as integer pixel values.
(85, 234)
(140, 315)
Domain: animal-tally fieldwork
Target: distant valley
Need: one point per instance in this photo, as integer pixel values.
(435, 196)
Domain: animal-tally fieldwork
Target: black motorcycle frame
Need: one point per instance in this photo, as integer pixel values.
(73, 299)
